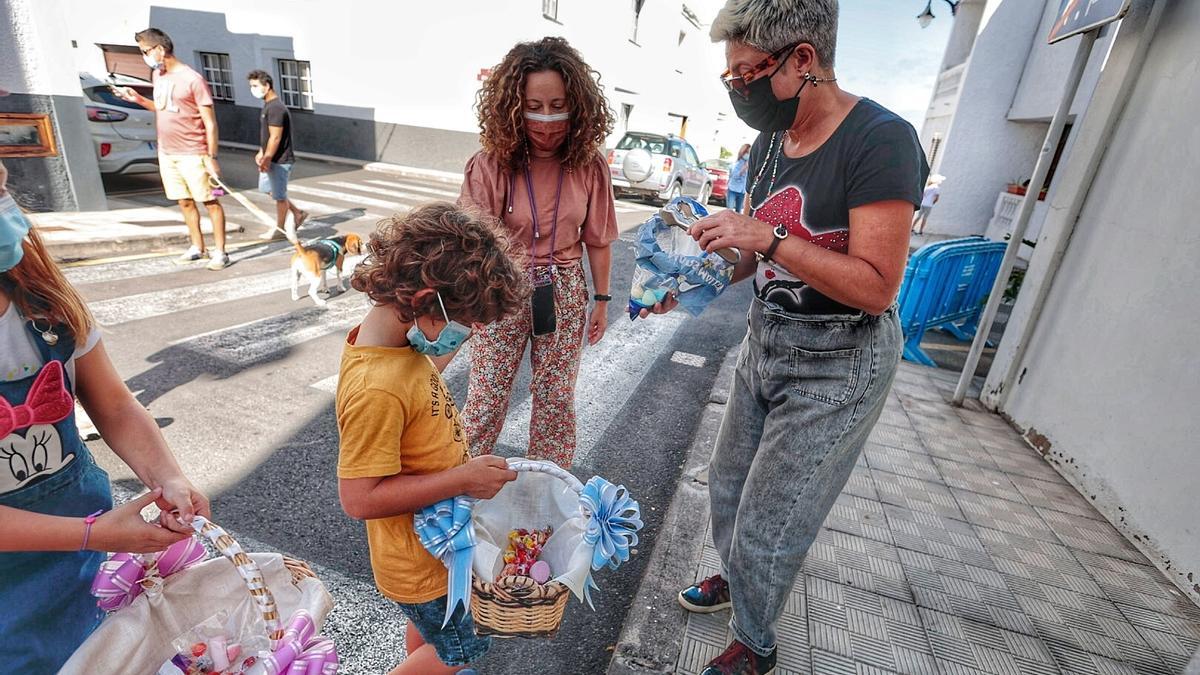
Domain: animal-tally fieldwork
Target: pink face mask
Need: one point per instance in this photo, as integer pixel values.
(547, 132)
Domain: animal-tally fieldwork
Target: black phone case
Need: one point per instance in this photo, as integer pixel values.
(542, 305)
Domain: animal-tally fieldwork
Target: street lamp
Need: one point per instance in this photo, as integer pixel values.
(925, 18)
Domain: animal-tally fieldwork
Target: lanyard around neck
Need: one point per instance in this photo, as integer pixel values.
(533, 212)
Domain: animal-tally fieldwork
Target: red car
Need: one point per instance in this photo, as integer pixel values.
(718, 169)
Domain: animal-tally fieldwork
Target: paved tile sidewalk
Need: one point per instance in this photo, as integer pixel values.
(955, 548)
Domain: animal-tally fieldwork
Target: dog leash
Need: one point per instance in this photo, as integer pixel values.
(250, 206)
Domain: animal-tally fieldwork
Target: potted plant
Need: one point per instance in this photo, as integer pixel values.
(1019, 189)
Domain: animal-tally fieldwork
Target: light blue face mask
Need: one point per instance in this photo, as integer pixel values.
(13, 228)
(451, 337)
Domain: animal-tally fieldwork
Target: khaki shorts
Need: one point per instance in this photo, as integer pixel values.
(185, 177)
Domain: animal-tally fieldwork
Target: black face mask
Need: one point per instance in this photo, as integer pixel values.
(762, 111)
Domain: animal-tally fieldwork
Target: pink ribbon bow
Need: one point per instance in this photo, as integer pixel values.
(120, 578)
(48, 402)
(300, 651)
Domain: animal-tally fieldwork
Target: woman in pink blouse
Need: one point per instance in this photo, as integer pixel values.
(543, 120)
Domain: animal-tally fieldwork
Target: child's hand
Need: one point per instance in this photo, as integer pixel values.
(484, 476)
(124, 530)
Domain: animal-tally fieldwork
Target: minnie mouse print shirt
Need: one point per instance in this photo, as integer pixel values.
(873, 156)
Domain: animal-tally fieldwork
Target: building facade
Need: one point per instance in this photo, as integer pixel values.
(1096, 365)
(396, 82)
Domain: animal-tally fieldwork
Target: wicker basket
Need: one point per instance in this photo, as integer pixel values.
(138, 638)
(518, 606)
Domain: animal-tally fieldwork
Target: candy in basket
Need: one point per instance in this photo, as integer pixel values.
(538, 540)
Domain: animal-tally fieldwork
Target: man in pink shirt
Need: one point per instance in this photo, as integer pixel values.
(187, 139)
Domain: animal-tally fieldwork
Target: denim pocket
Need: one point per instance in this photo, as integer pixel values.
(827, 376)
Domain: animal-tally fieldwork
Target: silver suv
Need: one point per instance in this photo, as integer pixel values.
(657, 167)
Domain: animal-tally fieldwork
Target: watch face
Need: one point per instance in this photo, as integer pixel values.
(781, 231)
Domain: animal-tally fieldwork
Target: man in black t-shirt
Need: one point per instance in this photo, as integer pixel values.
(275, 157)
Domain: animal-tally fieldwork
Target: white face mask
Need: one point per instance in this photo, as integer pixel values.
(150, 61)
(258, 92)
(538, 117)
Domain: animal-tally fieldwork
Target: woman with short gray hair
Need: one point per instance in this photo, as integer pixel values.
(834, 181)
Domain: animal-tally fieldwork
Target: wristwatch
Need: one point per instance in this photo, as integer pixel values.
(781, 233)
(600, 297)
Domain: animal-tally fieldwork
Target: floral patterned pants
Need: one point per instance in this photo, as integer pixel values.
(496, 353)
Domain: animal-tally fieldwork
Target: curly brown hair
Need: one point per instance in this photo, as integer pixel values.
(500, 103)
(463, 255)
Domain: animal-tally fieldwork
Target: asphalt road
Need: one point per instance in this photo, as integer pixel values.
(241, 380)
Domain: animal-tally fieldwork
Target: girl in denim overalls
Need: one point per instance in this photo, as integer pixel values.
(49, 484)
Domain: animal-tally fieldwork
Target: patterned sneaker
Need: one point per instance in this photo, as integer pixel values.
(738, 659)
(220, 260)
(191, 255)
(708, 596)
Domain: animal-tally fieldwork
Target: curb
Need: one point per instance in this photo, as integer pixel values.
(652, 637)
(381, 167)
(69, 252)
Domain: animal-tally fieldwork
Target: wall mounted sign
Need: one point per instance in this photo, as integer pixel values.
(26, 135)
(1081, 16)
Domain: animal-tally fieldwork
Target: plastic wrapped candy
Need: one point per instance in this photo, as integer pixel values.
(524, 547)
(670, 261)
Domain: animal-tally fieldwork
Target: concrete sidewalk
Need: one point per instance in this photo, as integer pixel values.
(954, 547)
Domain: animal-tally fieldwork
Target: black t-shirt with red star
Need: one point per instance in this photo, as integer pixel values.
(873, 156)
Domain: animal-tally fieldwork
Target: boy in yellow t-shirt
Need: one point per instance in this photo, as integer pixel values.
(431, 275)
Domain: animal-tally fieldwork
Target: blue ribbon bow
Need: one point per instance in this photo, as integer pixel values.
(613, 521)
(445, 530)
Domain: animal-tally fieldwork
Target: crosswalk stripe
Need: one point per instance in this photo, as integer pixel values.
(415, 188)
(138, 306)
(612, 370)
(358, 200)
(168, 301)
(375, 190)
(246, 343)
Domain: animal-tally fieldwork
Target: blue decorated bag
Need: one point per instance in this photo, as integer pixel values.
(669, 261)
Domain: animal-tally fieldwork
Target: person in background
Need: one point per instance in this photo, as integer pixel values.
(736, 191)
(543, 120)
(275, 157)
(933, 192)
(187, 140)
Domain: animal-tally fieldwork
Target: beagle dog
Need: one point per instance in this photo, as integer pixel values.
(310, 261)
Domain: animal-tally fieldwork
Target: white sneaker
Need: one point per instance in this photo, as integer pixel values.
(219, 261)
(191, 255)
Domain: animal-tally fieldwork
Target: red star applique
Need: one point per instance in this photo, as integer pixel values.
(786, 208)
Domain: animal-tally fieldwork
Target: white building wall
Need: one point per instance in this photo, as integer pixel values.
(418, 64)
(1008, 94)
(983, 150)
(1111, 379)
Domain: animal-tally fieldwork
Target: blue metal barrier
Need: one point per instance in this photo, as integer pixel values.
(945, 284)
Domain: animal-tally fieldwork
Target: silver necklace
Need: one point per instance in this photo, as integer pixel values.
(48, 335)
(762, 168)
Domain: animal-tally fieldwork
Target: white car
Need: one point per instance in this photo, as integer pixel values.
(656, 167)
(123, 132)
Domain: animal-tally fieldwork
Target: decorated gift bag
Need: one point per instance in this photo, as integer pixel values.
(175, 612)
(514, 558)
(670, 262)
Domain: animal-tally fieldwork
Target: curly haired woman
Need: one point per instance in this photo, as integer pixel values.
(544, 119)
